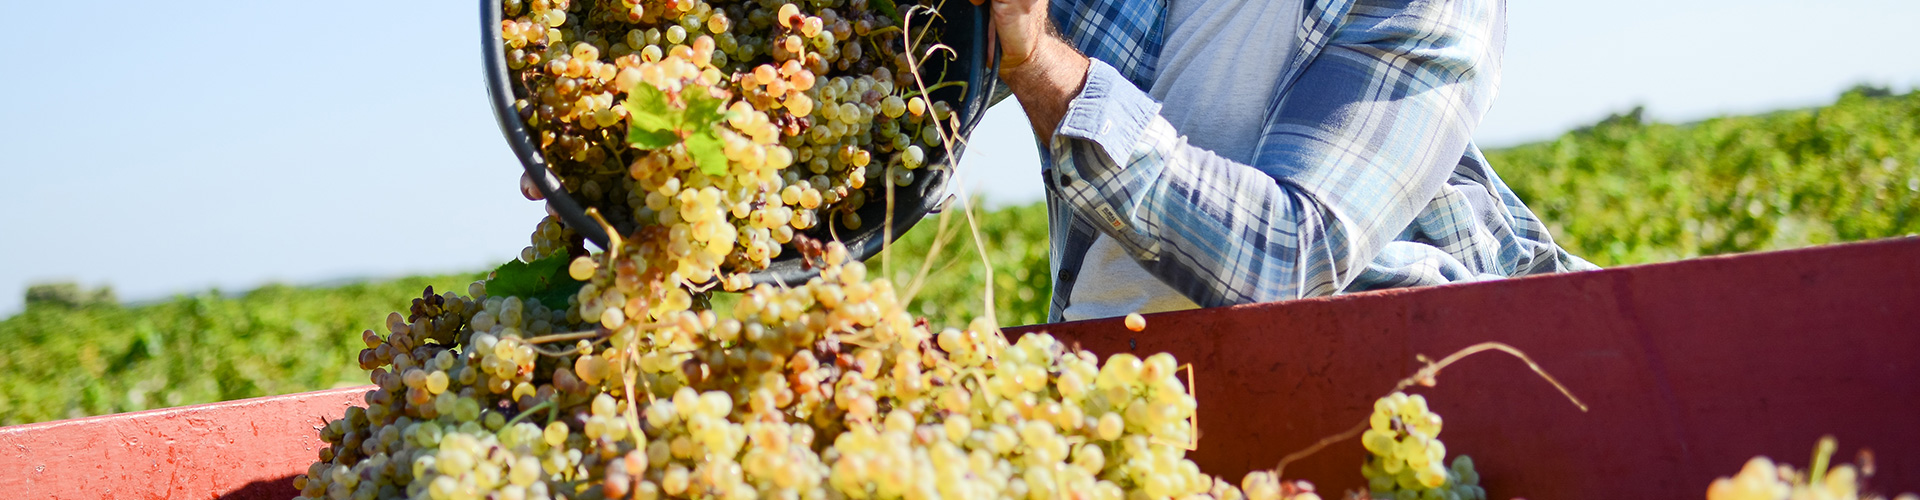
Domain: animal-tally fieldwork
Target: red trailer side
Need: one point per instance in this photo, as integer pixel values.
(246, 449)
(1690, 368)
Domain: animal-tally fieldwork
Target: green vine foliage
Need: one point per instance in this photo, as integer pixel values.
(1016, 241)
(545, 280)
(1628, 192)
(74, 360)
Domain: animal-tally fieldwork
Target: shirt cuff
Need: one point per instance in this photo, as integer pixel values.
(1110, 111)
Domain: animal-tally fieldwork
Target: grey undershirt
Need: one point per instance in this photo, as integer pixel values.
(1218, 70)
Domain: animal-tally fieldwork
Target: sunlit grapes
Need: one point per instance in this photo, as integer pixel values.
(1406, 459)
(820, 100)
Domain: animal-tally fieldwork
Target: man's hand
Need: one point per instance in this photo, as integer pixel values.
(532, 193)
(1020, 25)
(1044, 72)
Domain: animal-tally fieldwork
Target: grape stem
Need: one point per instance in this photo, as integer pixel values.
(1193, 421)
(886, 251)
(937, 86)
(566, 352)
(859, 341)
(613, 237)
(979, 384)
(1317, 446)
(699, 288)
(563, 337)
(834, 232)
(633, 404)
(1428, 376)
(1822, 454)
(940, 239)
(585, 334)
(529, 411)
(947, 142)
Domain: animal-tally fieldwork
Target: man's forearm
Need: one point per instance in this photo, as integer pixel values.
(1046, 82)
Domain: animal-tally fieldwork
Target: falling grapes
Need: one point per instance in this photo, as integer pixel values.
(827, 389)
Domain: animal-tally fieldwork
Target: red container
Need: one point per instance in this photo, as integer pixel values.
(1690, 369)
(246, 449)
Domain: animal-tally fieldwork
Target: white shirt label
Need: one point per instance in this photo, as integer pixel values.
(1113, 219)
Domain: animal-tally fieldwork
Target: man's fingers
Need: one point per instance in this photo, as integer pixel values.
(1017, 26)
(533, 193)
(528, 190)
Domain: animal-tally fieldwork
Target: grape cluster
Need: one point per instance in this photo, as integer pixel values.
(1762, 479)
(1406, 459)
(826, 389)
(819, 100)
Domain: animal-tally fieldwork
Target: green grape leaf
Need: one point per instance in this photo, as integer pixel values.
(651, 139)
(545, 280)
(654, 123)
(703, 109)
(556, 296)
(647, 110)
(887, 8)
(707, 151)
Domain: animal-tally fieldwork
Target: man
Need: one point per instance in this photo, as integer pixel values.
(1202, 153)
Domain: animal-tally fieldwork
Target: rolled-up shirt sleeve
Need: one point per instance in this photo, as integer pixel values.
(1358, 144)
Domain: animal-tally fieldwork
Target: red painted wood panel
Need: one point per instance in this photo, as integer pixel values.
(246, 449)
(1690, 368)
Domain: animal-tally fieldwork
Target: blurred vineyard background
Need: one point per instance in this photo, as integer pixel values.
(1619, 192)
(1628, 192)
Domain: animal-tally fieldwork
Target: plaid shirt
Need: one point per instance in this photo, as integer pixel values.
(1365, 177)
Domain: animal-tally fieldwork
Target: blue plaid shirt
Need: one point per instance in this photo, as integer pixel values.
(1365, 177)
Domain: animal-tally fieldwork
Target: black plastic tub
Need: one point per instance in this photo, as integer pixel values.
(964, 30)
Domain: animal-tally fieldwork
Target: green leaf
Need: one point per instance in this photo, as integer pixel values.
(647, 110)
(651, 139)
(556, 297)
(653, 124)
(703, 109)
(887, 8)
(545, 280)
(706, 149)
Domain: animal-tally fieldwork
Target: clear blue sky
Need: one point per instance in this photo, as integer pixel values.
(167, 148)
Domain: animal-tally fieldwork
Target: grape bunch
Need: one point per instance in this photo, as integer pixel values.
(826, 389)
(1406, 459)
(1762, 479)
(735, 125)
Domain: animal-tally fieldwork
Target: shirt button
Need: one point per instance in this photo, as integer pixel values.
(1066, 275)
(1064, 180)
